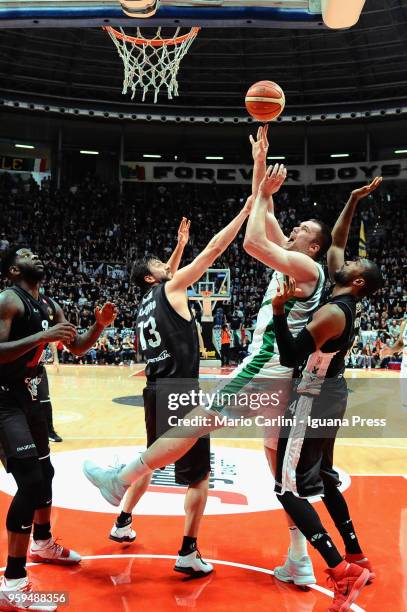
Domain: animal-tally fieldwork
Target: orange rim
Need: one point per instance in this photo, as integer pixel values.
(152, 42)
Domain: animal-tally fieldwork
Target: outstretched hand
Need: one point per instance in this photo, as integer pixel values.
(183, 231)
(285, 293)
(366, 190)
(273, 179)
(261, 145)
(106, 315)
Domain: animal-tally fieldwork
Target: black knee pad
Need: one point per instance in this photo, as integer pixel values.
(28, 475)
(47, 476)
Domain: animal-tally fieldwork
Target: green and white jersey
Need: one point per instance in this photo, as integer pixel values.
(263, 359)
(263, 362)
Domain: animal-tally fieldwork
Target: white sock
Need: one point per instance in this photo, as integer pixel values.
(134, 471)
(298, 544)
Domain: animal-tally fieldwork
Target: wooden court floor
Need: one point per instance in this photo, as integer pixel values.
(98, 412)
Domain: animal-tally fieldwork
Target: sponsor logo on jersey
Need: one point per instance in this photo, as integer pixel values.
(161, 357)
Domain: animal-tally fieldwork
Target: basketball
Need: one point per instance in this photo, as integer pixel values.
(265, 101)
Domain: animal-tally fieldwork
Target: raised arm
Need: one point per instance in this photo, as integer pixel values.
(183, 237)
(84, 342)
(259, 154)
(340, 232)
(190, 274)
(257, 244)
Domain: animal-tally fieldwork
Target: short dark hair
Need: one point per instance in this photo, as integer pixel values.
(140, 269)
(324, 238)
(373, 278)
(8, 259)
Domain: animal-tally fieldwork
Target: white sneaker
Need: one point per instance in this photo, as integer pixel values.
(107, 481)
(122, 534)
(48, 551)
(17, 594)
(192, 564)
(299, 572)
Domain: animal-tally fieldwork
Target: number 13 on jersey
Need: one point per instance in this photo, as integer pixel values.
(148, 334)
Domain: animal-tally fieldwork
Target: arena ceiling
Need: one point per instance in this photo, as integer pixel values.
(320, 70)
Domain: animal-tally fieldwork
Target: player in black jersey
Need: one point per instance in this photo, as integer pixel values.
(29, 320)
(304, 460)
(168, 338)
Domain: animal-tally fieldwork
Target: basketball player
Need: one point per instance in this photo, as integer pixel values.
(28, 322)
(333, 498)
(306, 243)
(304, 461)
(295, 567)
(122, 529)
(168, 337)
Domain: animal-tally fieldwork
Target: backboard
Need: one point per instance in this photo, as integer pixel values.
(206, 13)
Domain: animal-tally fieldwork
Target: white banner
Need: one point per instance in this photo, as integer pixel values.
(240, 175)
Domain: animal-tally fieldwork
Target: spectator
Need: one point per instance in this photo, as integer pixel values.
(128, 353)
(225, 345)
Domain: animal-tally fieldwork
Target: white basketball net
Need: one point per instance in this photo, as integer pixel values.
(151, 63)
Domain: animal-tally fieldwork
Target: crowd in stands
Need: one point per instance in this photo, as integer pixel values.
(88, 235)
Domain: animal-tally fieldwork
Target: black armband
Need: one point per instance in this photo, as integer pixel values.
(293, 351)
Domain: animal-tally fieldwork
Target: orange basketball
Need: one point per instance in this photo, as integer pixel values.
(265, 100)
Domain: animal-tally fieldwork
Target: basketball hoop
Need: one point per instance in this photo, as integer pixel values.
(151, 63)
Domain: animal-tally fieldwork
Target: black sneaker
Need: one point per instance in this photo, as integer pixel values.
(54, 437)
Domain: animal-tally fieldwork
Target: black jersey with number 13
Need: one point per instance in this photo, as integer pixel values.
(168, 342)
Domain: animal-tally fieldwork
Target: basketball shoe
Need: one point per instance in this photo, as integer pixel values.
(107, 481)
(122, 533)
(348, 579)
(363, 562)
(192, 564)
(49, 551)
(17, 594)
(300, 571)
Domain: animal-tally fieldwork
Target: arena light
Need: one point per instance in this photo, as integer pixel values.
(24, 146)
(151, 156)
(87, 152)
(400, 151)
(276, 157)
(214, 157)
(339, 154)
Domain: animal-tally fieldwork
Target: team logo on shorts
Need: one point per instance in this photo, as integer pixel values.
(32, 386)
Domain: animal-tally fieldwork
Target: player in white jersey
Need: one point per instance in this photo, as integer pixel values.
(400, 345)
(294, 255)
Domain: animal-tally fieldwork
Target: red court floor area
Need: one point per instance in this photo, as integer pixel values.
(244, 549)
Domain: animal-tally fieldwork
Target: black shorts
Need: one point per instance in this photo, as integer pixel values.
(192, 467)
(23, 424)
(305, 453)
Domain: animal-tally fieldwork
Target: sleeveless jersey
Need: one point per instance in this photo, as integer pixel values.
(38, 316)
(169, 342)
(329, 360)
(264, 359)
